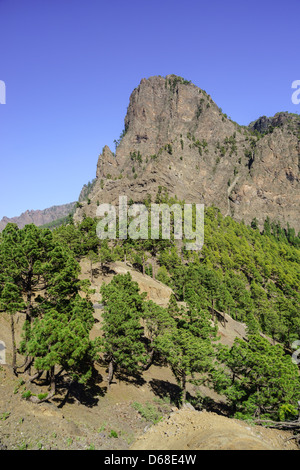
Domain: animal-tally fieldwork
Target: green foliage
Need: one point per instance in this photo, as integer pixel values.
(285, 235)
(230, 144)
(174, 81)
(39, 276)
(79, 239)
(163, 276)
(156, 320)
(86, 190)
(41, 396)
(148, 411)
(252, 276)
(119, 140)
(257, 275)
(262, 380)
(199, 109)
(136, 156)
(62, 338)
(122, 343)
(169, 149)
(4, 416)
(57, 223)
(186, 342)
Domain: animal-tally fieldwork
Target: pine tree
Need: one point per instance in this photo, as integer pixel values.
(155, 319)
(262, 378)
(38, 275)
(187, 345)
(123, 345)
(89, 240)
(62, 339)
(11, 302)
(93, 258)
(105, 254)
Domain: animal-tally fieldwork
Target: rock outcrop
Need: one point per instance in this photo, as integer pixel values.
(177, 138)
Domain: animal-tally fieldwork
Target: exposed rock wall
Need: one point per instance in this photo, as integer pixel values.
(176, 137)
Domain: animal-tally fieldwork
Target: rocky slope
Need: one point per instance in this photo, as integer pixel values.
(176, 137)
(39, 217)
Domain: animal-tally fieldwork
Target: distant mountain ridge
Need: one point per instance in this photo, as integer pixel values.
(49, 215)
(39, 217)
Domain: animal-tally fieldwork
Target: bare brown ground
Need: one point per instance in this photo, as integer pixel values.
(194, 430)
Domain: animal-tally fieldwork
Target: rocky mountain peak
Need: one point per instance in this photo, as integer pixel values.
(175, 136)
(161, 108)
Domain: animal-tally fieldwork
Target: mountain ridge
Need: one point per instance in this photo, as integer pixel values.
(39, 217)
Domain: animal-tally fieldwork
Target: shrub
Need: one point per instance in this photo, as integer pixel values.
(27, 394)
(148, 412)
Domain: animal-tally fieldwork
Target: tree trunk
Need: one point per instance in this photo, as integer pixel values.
(92, 278)
(213, 309)
(52, 381)
(13, 340)
(27, 365)
(153, 270)
(149, 361)
(35, 376)
(110, 372)
(183, 388)
(28, 321)
(52, 391)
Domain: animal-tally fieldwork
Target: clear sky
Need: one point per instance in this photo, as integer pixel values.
(70, 65)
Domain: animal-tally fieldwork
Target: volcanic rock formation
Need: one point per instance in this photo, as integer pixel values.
(177, 138)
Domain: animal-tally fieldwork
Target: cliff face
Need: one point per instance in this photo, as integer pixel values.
(176, 137)
(39, 217)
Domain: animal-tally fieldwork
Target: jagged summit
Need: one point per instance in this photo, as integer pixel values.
(175, 136)
(266, 124)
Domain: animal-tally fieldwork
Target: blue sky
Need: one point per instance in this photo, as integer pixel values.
(69, 67)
